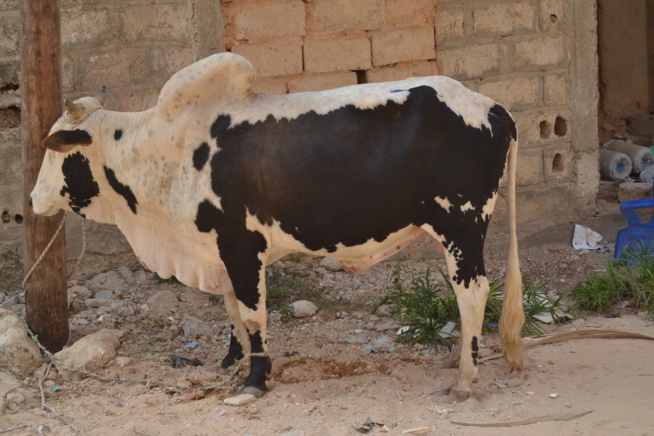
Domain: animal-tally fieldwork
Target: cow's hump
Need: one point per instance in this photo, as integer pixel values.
(220, 77)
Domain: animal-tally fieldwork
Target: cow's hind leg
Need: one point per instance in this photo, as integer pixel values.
(239, 343)
(471, 298)
(465, 265)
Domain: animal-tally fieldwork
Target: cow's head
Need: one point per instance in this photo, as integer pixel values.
(67, 179)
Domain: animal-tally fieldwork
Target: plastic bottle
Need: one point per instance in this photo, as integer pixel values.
(614, 165)
(647, 175)
(641, 157)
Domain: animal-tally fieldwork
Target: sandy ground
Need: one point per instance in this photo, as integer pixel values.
(325, 378)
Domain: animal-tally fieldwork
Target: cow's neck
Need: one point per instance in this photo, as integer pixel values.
(152, 159)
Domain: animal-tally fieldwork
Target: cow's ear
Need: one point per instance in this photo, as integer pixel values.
(65, 140)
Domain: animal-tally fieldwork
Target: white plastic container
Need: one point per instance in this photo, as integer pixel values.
(641, 157)
(614, 165)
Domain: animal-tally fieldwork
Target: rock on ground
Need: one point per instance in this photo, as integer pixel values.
(163, 301)
(7, 384)
(330, 264)
(92, 352)
(303, 308)
(18, 353)
(110, 280)
(194, 328)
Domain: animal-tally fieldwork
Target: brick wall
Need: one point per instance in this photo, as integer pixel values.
(311, 45)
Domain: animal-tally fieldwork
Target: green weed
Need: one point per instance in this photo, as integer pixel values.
(426, 306)
(629, 279)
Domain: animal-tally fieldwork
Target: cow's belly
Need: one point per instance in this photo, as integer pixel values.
(353, 258)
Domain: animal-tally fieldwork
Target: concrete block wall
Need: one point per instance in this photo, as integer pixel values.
(300, 45)
(11, 178)
(529, 56)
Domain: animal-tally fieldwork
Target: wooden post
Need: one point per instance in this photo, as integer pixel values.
(45, 291)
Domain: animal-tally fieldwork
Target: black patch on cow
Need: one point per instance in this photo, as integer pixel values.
(220, 126)
(239, 249)
(475, 345)
(201, 156)
(256, 343)
(118, 133)
(124, 190)
(235, 352)
(354, 175)
(80, 185)
(475, 350)
(207, 217)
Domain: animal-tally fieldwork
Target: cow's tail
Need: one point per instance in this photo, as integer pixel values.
(513, 317)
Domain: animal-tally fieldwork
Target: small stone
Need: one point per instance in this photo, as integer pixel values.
(140, 278)
(107, 281)
(384, 310)
(240, 400)
(634, 191)
(97, 302)
(123, 361)
(194, 328)
(126, 274)
(76, 293)
(309, 410)
(554, 395)
(303, 309)
(105, 294)
(163, 301)
(330, 264)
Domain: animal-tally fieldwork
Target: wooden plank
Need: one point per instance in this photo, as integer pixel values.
(45, 291)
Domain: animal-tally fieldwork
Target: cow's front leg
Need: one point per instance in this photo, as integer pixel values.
(244, 255)
(239, 342)
(260, 364)
(471, 295)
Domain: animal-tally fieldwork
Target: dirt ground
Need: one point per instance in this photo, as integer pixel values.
(325, 376)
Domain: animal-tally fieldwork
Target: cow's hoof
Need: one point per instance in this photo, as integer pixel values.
(458, 396)
(454, 395)
(258, 393)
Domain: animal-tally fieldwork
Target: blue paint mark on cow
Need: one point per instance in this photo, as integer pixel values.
(124, 190)
(79, 182)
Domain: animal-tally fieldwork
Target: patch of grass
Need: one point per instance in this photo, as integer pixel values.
(630, 279)
(426, 306)
(294, 282)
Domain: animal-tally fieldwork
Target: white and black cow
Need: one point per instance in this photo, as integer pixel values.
(217, 181)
